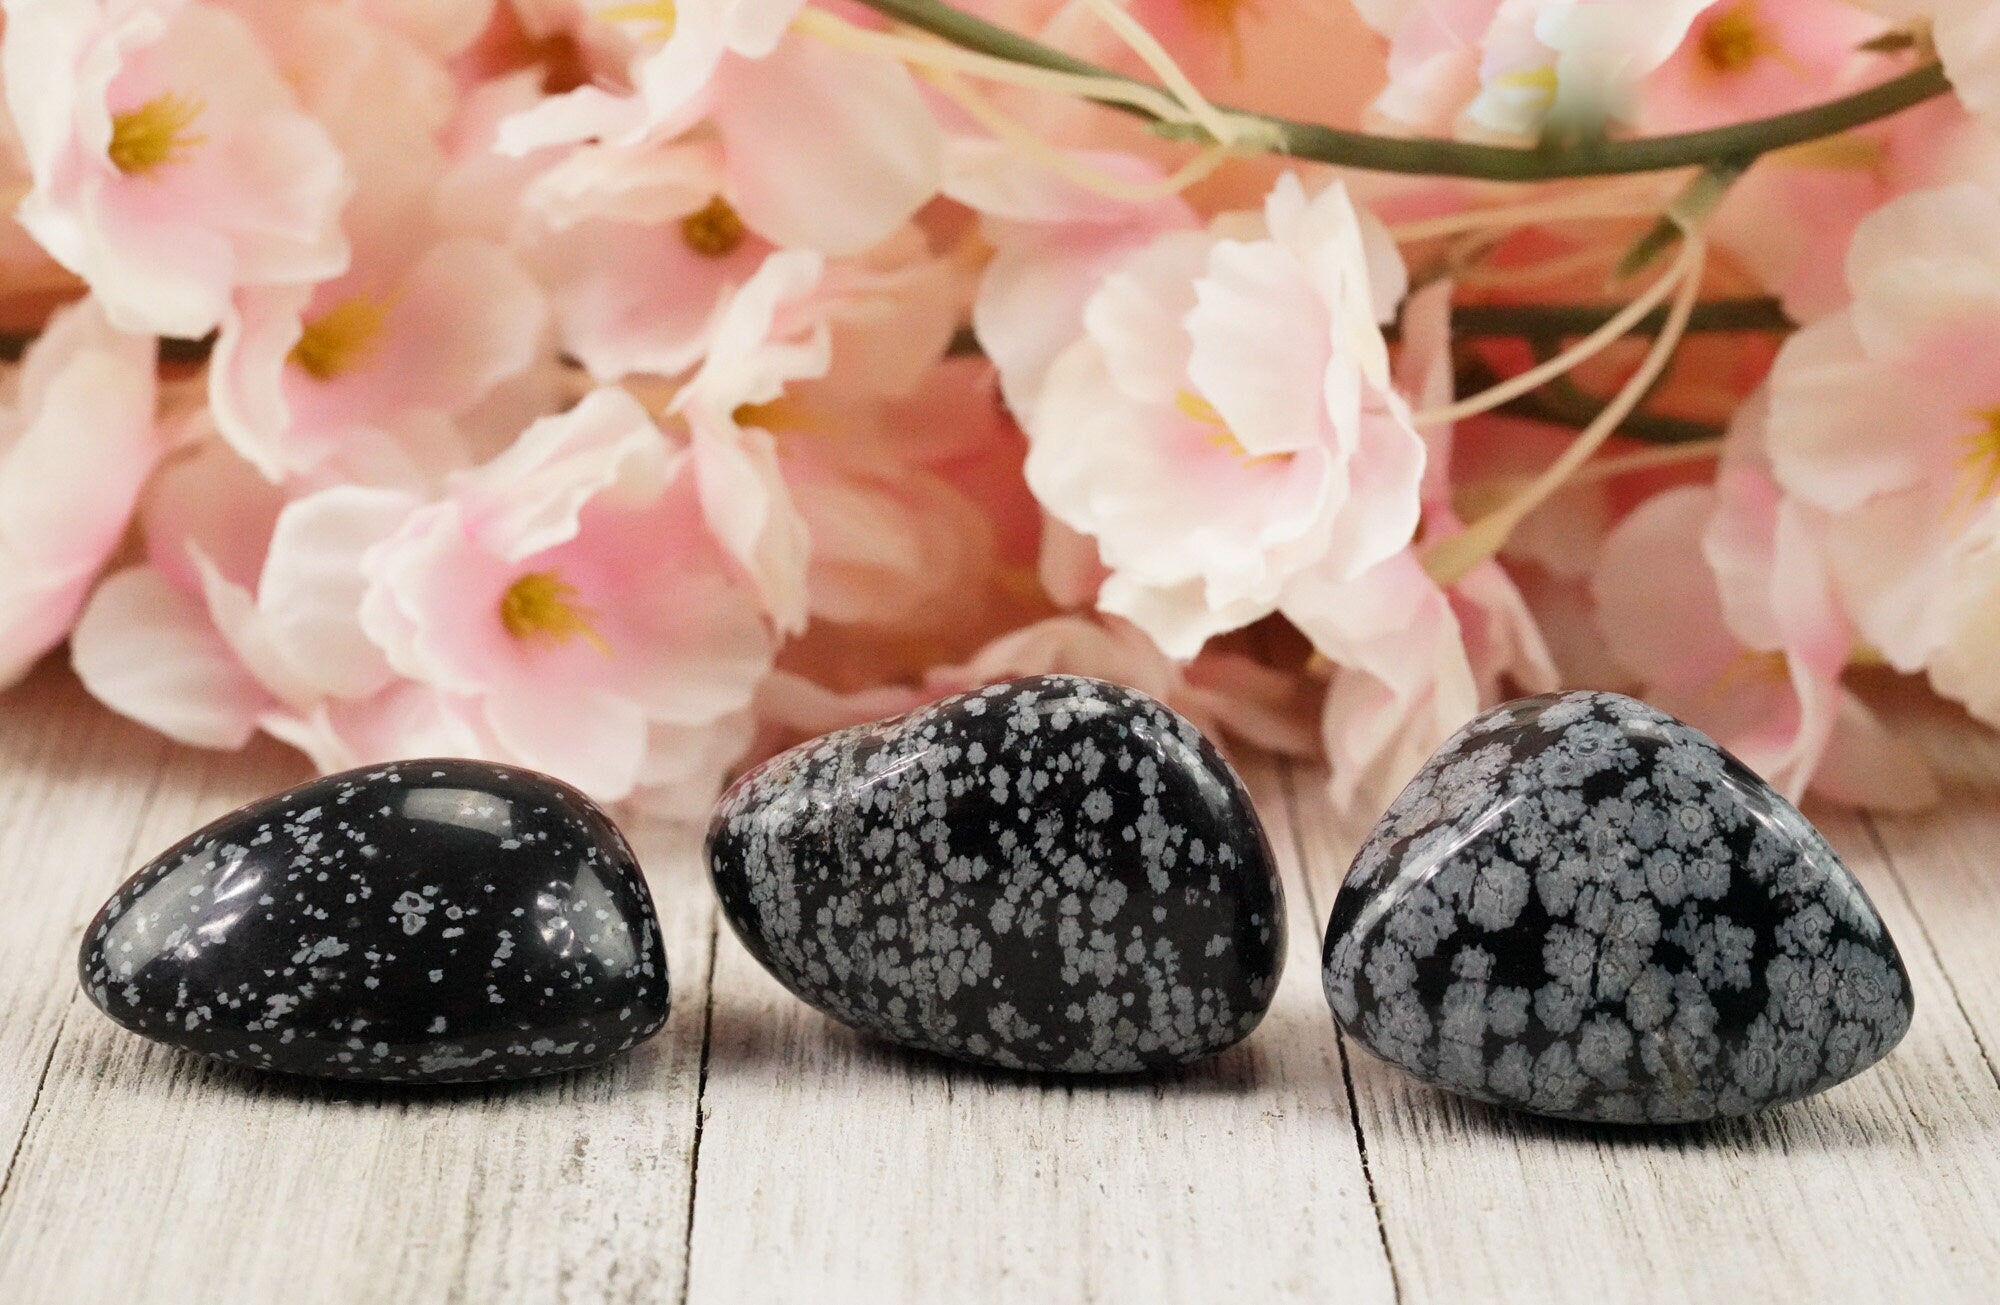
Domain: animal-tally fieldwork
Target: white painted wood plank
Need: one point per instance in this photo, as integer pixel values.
(148, 1175)
(73, 783)
(834, 1169)
(1948, 863)
(1880, 1189)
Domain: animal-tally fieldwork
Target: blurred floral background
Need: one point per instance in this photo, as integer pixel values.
(625, 389)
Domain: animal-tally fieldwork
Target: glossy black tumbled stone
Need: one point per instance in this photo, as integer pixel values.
(441, 921)
(1583, 907)
(1049, 874)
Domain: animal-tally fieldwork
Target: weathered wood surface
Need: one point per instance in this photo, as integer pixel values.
(756, 1152)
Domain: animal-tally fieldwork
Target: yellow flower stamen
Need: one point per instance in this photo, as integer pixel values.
(1218, 15)
(1747, 669)
(659, 16)
(1221, 18)
(792, 414)
(765, 416)
(1981, 460)
(341, 338)
(542, 606)
(1196, 408)
(155, 133)
(715, 231)
(1734, 39)
(1538, 84)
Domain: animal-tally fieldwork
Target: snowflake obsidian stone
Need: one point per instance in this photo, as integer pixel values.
(1048, 874)
(1582, 907)
(421, 922)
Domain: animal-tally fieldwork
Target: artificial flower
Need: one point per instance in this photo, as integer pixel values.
(569, 593)
(1718, 597)
(77, 442)
(1511, 67)
(1886, 416)
(820, 148)
(172, 163)
(1226, 420)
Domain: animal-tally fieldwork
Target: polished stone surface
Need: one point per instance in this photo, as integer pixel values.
(439, 921)
(1582, 907)
(1049, 874)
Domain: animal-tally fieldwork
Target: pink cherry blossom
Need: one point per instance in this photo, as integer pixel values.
(1967, 33)
(1598, 53)
(478, 188)
(382, 98)
(561, 607)
(245, 616)
(1054, 243)
(1413, 661)
(1744, 59)
(752, 355)
(1967, 599)
(1510, 67)
(77, 441)
(1886, 416)
(417, 330)
(1402, 682)
(441, 27)
(1434, 56)
(244, 611)
(639, 250)
(146, 648)
(570, 594)
(1225, 422)
(768, 371)
(820, 148)
(1789, 220)
(1912, 511)
(1967, 36)
(1719, 599)
(171, 162)
(588, 384)
(925, 539)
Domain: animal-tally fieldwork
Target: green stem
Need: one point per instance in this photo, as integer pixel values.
(13, 344)
(1689, 212)
(1564, 405)
(1450, 158)
(1558, 321)
(1646, 427)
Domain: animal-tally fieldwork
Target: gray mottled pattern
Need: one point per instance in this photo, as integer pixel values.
(1053, 873)
(1585, 908)
(426, 921)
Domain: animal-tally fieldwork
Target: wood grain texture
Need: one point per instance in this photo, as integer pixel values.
(1879, 1189)
(835, 1169)
(1948, 870)
(74, 785)
(148, 1175)
(757, 1152)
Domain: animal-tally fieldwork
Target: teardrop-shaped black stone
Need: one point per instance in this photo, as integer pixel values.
(442, 921)
(1583, 907)
(1050, 874)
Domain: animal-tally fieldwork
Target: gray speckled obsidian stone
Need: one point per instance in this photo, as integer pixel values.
(1049, 874)
(1582, 907)
(422, 922)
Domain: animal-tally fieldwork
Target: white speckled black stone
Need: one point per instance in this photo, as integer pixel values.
(1049, 874)
(438, 921)
(1583, 907)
